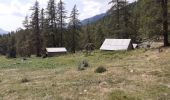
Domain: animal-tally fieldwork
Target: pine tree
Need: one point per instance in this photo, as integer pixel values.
(11, 50)
(88, 32)
(117, 5)
(52, 20)
(150, 20)
(42, 20)
(100, 36)
(61, 19)
(36, 28)
(24, 40)
(74, 24)
(126, 19)
(26, 23)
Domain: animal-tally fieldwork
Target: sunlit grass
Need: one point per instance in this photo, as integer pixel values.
(130, 75)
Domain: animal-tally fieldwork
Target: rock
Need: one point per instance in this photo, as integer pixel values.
(131, 70)
(85, 90)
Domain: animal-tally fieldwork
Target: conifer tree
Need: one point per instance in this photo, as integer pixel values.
(11, 50)
(52, 20)
(36, 28)
(117, 4)
(74, 24)
(42, 20)
(88, 32)
(61, 20)
(24, 41)
(26, 23)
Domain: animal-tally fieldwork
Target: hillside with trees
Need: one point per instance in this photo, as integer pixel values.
(35, 63)
(144, 20)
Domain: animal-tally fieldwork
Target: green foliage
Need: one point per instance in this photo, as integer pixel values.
(100, 69)
(35, 28)
(150, 18)
(11, 50)
(74, 27)
(61, 21)
(24, 80)
(83, 65)
(121, 95)
(3, 44)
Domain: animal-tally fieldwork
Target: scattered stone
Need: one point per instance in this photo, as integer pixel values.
(103, 84)
(85, 90)
(131, 70)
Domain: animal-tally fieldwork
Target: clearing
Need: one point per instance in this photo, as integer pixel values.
(133, 75)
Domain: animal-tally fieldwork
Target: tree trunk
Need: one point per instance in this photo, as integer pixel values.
(118, 14)
(165, 22)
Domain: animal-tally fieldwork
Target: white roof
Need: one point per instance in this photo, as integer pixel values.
(115, 44)
(55, 50)
(135, 45)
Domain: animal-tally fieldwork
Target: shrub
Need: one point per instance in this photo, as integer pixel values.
(100, 69)
(80, 68)
(84, 64)
(24, 80)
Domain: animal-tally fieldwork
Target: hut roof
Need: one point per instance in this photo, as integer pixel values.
(56, 50)
(116, 44)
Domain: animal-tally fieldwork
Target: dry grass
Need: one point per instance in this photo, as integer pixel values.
(133, 75)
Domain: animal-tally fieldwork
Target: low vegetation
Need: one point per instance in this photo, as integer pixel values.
(121, 95)
(24, 80)
(130, 76)
(100, 69)
(83, 65)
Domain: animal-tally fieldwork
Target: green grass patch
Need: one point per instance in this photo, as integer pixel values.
(121, 95)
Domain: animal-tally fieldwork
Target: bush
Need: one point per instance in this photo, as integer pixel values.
(84, 64)
(80, 67)
(100, 69)
(24, 80)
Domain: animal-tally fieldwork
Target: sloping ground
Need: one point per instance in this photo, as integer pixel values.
(133, 75)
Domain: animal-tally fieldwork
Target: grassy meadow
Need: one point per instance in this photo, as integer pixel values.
(132, 75)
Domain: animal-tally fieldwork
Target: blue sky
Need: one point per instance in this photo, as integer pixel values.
(13, 12)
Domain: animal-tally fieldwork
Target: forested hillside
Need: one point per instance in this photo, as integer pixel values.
(145, 20)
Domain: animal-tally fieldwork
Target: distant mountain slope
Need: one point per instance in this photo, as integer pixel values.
(3, 31)
(93, 19)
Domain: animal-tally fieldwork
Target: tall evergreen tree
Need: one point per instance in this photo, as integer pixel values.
(100, 36)
(117, 5)
(26, 23)
(36, 28)
(74, 24)
(42, 20)
(88, 33)
(52, 20)
(126, 18)
(61, 19)
(24, 41)
(150, 20)
(11, 49)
